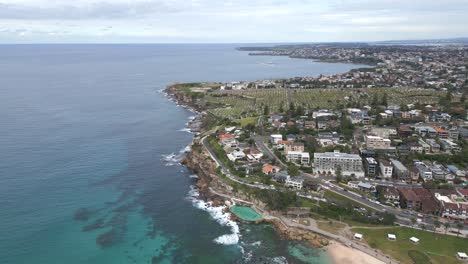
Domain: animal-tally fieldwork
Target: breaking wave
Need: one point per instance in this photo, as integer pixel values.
(218, 214)
(175, 158)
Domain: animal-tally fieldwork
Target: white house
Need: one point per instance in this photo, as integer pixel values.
(275, 138)
(235, 155)
(294, 182)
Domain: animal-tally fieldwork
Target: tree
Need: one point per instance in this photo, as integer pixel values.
(291, 107)
(437, 224)
(459, 226)
(266, 110)
(338, 173)
(463, 98)
(413, 221)
(293, 170)
(281, 109)
(385, 99)
(375, 100)
(446, 225)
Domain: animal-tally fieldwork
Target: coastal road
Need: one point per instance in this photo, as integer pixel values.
(260, 142)
(226, 171)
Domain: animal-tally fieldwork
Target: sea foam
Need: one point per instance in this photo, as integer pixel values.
(218, 214)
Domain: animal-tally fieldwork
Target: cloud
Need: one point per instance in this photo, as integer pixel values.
(230, 21)
(97, 10)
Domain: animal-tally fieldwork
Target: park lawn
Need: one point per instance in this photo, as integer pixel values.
(331, 226)
(439, 248)
(248, 120)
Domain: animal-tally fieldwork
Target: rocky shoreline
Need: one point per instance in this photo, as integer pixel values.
(212, 188)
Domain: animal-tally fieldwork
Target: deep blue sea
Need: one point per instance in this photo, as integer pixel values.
(85, 132)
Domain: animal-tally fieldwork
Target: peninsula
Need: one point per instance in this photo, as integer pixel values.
(370, 164)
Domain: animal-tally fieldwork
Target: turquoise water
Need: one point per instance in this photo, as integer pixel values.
(246, 213)
(90, 151)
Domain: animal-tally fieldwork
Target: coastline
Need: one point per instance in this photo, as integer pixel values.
(217, 192)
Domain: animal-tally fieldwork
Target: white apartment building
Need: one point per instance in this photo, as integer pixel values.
(374, 142)
(350, 164)
(298, 157)
(386, 169)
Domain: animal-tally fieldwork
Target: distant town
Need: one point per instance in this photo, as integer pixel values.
(383, 144)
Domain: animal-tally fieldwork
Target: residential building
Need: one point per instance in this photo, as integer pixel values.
(350, 164)
(449, 146)
(374, 142)
(423, 170)
(453, 133)
(386, 169)
(435, 147)
(298, 157)
(370, 167)
(235, 155)
(270, 169)
(405, 131)
(426, 131)
(293, 146)
(383, 132)
(425, 147)
(400, 172)
(275, 138)
(389, 194)
(418, 199)
(442, 133)
(452, 205)
(294, 182)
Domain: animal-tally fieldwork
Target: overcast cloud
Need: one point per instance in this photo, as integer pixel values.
(230, 21)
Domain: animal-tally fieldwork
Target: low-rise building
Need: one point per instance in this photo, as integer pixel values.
(400, 172)
(374, 142)
(270, 169)
(295, 182)
(418, 199)
(293, 146)
(298, 157)
(452, 205)
(275, 138)
(435, 147)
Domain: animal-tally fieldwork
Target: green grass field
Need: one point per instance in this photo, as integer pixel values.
(435, 247)
(250, 102)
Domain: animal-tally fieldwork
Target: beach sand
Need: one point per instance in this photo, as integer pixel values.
(343, 254)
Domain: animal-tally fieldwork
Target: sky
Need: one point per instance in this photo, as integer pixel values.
(218, 21)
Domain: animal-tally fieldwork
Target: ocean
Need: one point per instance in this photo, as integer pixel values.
(90, 150)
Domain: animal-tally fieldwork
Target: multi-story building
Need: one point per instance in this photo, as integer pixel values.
(350, 164)
(293, 146)
(298, 157)
(386, 169)
(426, 147)
(399, 170)
(418, 199)
(371, 167)
(435, 147)
(442, 133)
(374, 142)
(453, 133)
(294, 182)
(452, 205)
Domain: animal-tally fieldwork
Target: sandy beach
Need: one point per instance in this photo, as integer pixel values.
(343, 254)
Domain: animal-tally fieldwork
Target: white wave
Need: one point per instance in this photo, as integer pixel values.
(175, 158)
(256, 243)
(193, 176)
(185, 130)
(218, 214)
(246, 256)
